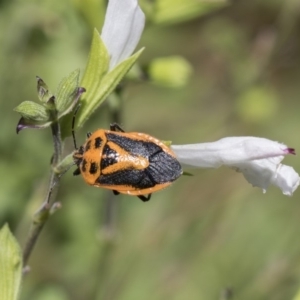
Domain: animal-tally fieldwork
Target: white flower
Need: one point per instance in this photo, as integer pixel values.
(259, 160)
(122, 29)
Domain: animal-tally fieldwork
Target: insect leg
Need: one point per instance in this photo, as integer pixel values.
(77, 172)
(116, 127)
(144, 198)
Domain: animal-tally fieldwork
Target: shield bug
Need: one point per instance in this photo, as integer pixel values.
(130, 163)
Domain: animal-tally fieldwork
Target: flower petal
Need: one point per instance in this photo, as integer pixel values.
(287, 179)
(264, 172)
(122, 29)
(229, 151)
(259, 160)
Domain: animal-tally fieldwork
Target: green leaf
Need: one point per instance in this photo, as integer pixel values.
(33, 111)
(97, 81)
(10, 265)
(97, 66)
(175, 11)
(93, 98)
(66, 91)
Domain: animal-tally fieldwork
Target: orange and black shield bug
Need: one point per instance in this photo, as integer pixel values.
(130, 163)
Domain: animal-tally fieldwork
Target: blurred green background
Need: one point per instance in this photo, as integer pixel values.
(210, 236)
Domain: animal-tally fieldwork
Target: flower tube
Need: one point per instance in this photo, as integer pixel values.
(259, 160)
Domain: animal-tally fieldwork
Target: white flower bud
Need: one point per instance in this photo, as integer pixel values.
(122, 29)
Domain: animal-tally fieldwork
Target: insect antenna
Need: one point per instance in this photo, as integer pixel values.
(73, 125)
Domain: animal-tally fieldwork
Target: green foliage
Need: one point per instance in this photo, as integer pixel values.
(64, 100)
(204, 234)
(53, 108)
(174, 11)
(10, 265)
(44, 94)
(98, 80)
(33, 111)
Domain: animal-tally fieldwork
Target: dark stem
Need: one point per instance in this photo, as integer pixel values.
(56, 135)
(37, 225)
(42, 215)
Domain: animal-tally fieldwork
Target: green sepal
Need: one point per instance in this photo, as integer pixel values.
(25, 123)
(101, 90)
(75, 98)
(43, 92)
(175, 11)
(10, 265)
(66, 91)
(33, 111)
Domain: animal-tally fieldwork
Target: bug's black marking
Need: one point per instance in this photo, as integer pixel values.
(88, 146)
(109, 157)
(135, 178)
(84, 163)
(136, 147)
(88, 134)
(98, 142)
(162, 167)
(138, 179)
(93, 168)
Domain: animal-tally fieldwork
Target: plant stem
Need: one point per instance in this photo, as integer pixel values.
(56, 135)
(43, 213)
(38, 222)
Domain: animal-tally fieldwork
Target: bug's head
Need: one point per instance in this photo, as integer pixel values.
(78, 158)
(78, 155)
